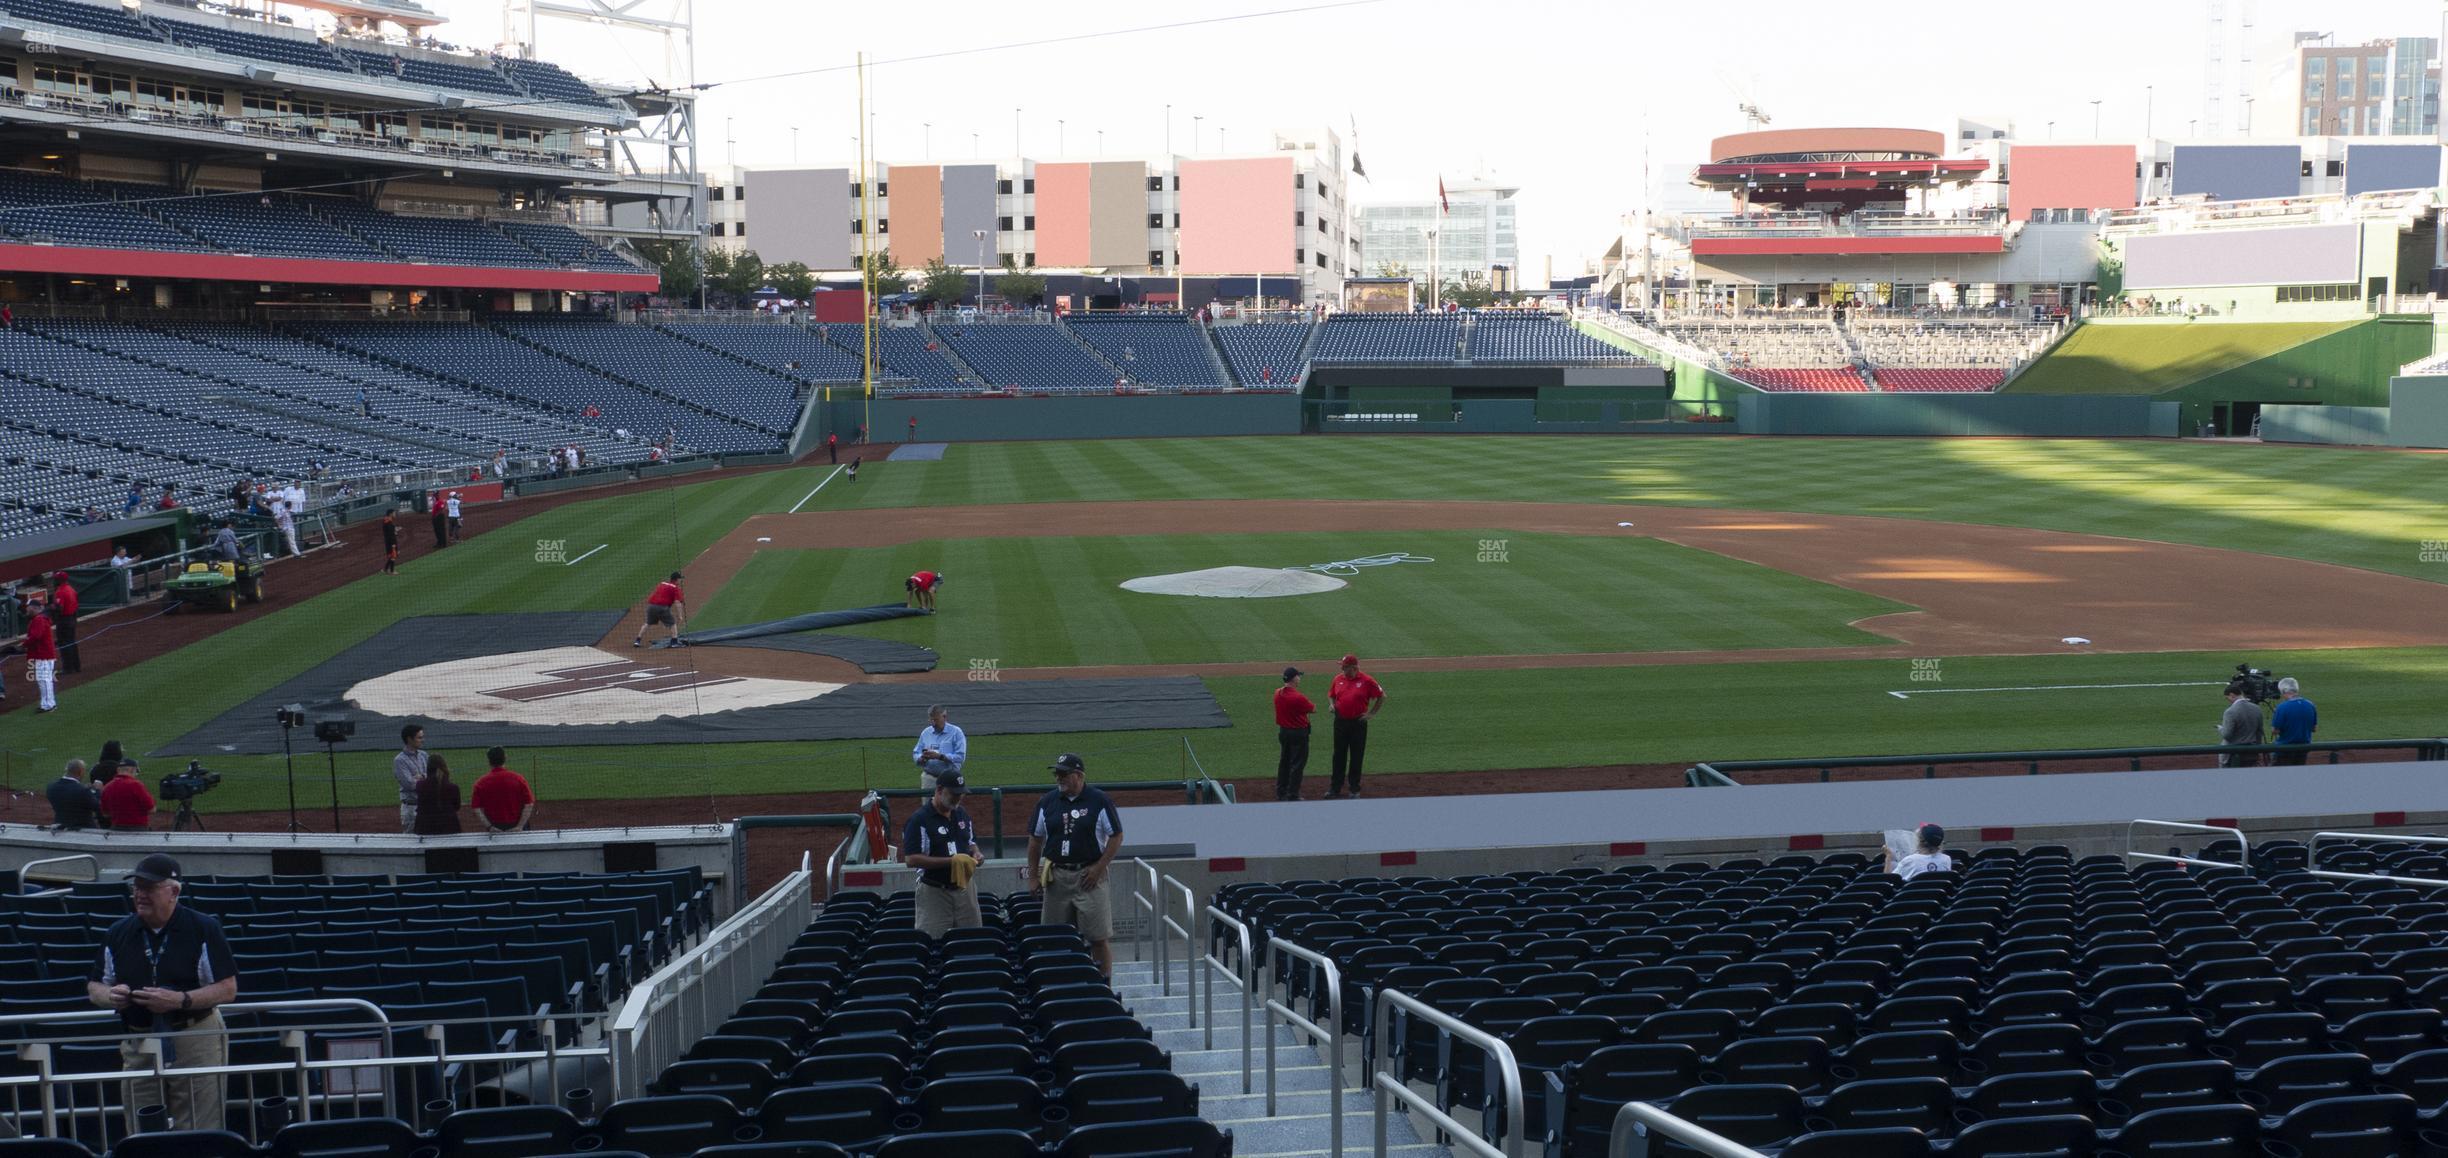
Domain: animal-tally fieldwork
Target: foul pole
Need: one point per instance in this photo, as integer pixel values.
(867, 279)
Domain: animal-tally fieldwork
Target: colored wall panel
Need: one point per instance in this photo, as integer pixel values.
(1063, 206)
(968, 206)
(2069, 177)
(2238, 172)
(2371, 168)
(1237, 216)
(801, 215)
(915, 195)
(1117, 214)
(2311, 255)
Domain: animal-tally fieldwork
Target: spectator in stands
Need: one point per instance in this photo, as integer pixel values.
(64, 607)
(2293, 721)
(125, 801)
(940, 841)
(135, 499)
(1073, 840)
(169, 498)
(166, 970)
(2239, 726)
(501, 465)
(89, 516)
(1926, 856)
(407, 768)
(502, 796)
(1356, 699)
(74, 804)
(1291, 735)
(437, 811)
(942, 749)
(120, 558)
(242, 496)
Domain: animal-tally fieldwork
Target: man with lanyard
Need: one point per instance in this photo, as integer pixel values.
(1077, 833)
(941, 748)
(166, 969)
(940, 841)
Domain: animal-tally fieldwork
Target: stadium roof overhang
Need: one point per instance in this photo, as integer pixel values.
(265, 151)
(1808, 176)
(1844, 246)
(235, 267)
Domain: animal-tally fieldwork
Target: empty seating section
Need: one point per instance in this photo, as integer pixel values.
(552, 82)
(438, 240)
(1922, 379)
(109, 19)
(1890, 342)
(493, 361)
(1265, 354)
(469, 77)
(565, 246)
(1824, 381)
(1032, 356)
(782, 349)
(665, 363)
(871, 1035)
(1150, 349)
(904, 352)
(1401, 338)
(44, 207)
(269, 226)
(1764, 343)
(1504, 336)
(56, 476)
(2027, 1003)
(288, 50)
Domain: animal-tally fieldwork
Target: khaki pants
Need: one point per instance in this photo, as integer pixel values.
(1067, 904)
(407, 818)
(942, 910)
(195, 1103)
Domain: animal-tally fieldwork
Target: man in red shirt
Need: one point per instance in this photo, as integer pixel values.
(42, 652)
(502, 796)
(921, 588)
(1356, 698)
(667, 607)
(63, 621)
(833, 448)
(126, 803)
(441, 521)
(1291, 735)
(913, 429)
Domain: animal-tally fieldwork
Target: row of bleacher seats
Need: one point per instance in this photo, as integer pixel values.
(1388, 338)
(1511, 336)
(675, 368)
(46, 207)
(783, 349)
(1154, 349)
(301, 48)
(1777, 344)
(1820, 380)
(1927, 380)
(2030, 1003)
(1025, 356)
(1265, 354)
(1919, 343)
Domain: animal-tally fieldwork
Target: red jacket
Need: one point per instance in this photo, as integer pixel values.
(64, 599)
(126, 802)
(39, 642)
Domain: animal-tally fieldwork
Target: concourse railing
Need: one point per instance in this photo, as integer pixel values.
(1722, 773)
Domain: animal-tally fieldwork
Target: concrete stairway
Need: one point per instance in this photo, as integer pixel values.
(1299, 1126)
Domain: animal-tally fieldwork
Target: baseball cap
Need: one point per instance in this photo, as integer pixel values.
(1290, 672)
(951, 780)
(1070, 762)
(675, 576)
(1351, 661)
(1932, 834)
(155, 869)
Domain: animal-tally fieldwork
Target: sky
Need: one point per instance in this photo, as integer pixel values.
(1563, 98)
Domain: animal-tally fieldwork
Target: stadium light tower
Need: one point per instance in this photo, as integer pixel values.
(980, 234)
(656, 158)
(2095, 119)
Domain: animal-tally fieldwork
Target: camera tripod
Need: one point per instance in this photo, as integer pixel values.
(187, 818)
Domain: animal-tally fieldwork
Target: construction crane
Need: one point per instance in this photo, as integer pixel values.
(1754, 117)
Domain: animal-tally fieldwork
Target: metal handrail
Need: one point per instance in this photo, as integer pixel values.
(1389, 1084)
(27, 869)
(1332, 978)
(1249, 986)
(1189, 938)
(2312, 858)
(1711, 773)
(755, 936)
(1637, 1121)
(45, 1077)
(2243, 847)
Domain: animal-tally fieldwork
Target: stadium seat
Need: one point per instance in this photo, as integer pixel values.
(1158, 1138)
(346, 1138)
(185, 1144)
(857, 1116)
(966, 1143)
(506, 1131)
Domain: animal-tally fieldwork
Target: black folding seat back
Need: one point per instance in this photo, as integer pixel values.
(2206, 1131)
(2166, 1085)
(1753, 1115)
(1128, 1096)
(742, 1083)
(982, 1103)
(2060, 1136)
(2422, 1076)
(1107, 1055)
(2376, 1126)
(1904, 1054)
(1923, 1104)
(2265, 1037)
(2022, 1049)
(855, 1115)
(1160, 1138)
(2282, 1085)
(854, 1068)
(1798, 1062)
(966, 1143)
(507, 1132)
(2033, 1095)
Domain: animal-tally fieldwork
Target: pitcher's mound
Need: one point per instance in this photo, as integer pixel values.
(1235, 583)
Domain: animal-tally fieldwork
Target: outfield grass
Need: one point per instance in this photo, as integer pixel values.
(2362, 509)
(1057, 602)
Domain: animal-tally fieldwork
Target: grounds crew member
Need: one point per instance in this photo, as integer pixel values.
(1291, 735)
(64, 606)
(940, 841)
(42, 653)
(666, 606)
(166, 969)
(1356, 699)
(921, 588)
(1077, 833)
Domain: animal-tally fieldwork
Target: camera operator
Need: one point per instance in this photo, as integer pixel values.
(2240, 725)
(2293, 721)
(166, 969)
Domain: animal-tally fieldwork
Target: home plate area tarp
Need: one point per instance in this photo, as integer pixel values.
(531, 679)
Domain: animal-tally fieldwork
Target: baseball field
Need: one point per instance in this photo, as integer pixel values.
(1533, 603)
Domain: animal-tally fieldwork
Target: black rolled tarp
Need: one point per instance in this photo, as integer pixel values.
(800, 633)
(812, 621)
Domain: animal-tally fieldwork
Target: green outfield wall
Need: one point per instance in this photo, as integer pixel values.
(1924, 415)
(1089, 416)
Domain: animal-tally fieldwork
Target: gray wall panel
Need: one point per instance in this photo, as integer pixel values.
(2238, 172)
(968, 206)
(2310, 255)
(2370, 168)
(800, 215)
(1117, 213)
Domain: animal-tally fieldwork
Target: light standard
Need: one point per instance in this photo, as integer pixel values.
(2052, 130)
(2095, 121)
(1434, 300)
(1015, 130)
(980, 234)
(2149, 115)
(1194, 132)
(1061, 134)
(794, 144)
(926, 140)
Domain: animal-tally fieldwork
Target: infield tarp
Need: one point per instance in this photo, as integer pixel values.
(917, 452)
(857, 712)
(873, 656)
(812, 621)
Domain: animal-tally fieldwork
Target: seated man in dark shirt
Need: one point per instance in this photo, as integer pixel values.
(73, 802)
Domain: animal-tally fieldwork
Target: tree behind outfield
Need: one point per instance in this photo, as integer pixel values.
(793, 278)
(942, 284)
(676, 262)
(1018, 286)
(889, 278)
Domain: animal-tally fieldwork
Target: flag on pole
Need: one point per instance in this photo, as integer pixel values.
(1443, 206)
(1357, 169)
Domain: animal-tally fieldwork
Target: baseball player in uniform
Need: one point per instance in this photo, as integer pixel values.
(940, 841)
(1073, 840)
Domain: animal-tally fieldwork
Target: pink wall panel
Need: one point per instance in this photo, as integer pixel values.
(916, 196)
(1237, 216)
(2069, 177)
(1062, 214)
